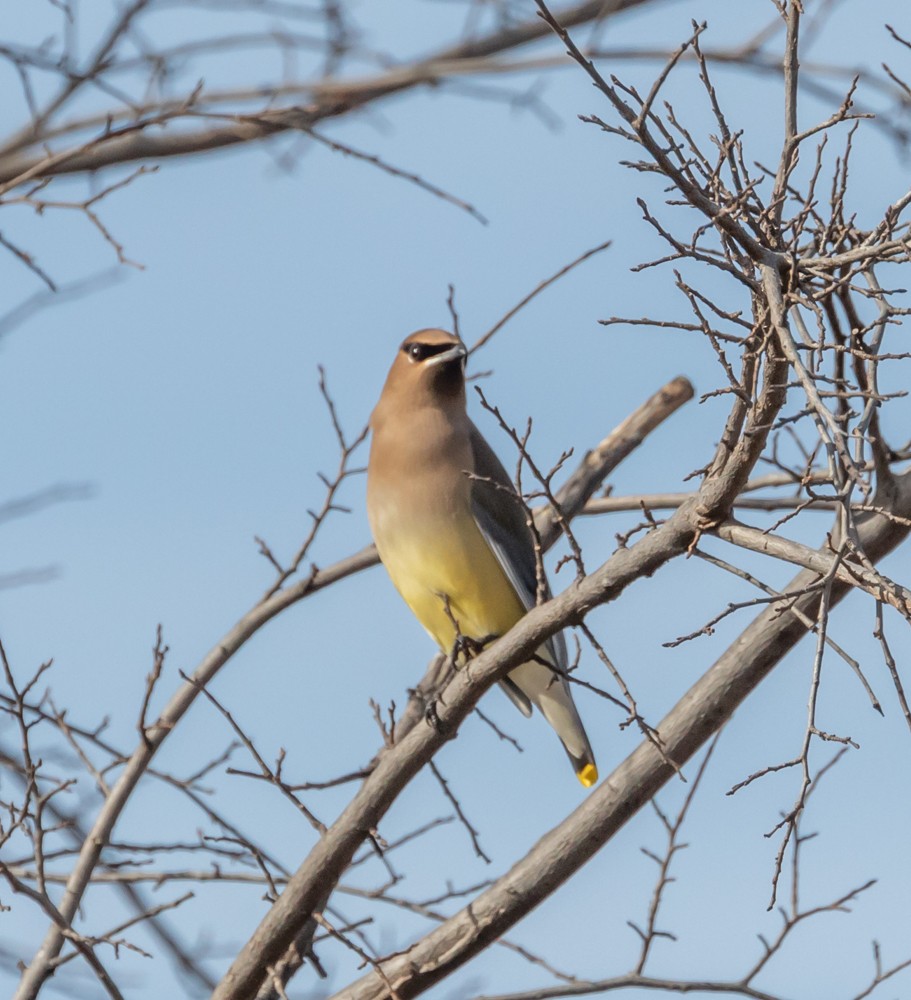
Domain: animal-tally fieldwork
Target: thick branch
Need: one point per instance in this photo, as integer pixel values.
(638, 425)
(822, 561)
(559, 854)
(398, 764)
(603, 459)
(139, 143)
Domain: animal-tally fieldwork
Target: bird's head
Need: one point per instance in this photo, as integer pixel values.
(429, 355)
(429, 369)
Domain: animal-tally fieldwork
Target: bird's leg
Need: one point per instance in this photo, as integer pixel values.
(465, 648)
(461, 649)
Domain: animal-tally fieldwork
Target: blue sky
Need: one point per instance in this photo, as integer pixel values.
(186, 396)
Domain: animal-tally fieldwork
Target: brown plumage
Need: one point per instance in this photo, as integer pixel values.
(458, 548)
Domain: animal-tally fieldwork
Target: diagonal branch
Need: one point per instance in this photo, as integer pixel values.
(397, 764)
(140, 142)
(566, 848)
(220, 654)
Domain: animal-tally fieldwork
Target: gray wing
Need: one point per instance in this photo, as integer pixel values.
(501, 519)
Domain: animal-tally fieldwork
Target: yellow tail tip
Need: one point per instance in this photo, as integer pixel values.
(588, 775)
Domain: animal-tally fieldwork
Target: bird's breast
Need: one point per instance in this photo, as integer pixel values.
(442, 566)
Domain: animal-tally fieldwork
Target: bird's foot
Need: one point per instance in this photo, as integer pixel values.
(466, 648)
(430, 715)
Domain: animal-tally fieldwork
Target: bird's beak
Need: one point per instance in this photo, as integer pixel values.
(456, 352)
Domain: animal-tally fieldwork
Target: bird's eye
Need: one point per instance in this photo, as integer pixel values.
(421, 352)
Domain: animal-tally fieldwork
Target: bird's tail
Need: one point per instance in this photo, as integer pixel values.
(585, 767)
(550, 692)
(564, 719)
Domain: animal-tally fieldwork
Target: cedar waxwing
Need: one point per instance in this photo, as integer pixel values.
(451, 531)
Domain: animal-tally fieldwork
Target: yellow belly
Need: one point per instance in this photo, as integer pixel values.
(455, 566)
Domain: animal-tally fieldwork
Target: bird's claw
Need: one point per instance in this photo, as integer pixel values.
(466, 648)
(430, 715)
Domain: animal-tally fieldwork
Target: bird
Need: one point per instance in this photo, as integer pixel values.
(452, 532)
